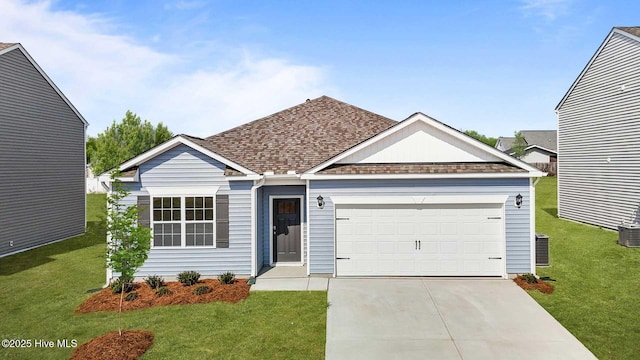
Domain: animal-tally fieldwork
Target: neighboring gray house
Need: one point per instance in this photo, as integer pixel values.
(541, 146)
(599, 136)
(42, 157)
(337, 189)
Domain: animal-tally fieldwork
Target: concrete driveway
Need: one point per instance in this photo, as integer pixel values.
(442, 319)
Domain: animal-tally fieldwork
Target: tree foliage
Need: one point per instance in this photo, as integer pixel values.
(129, 244)
(123, 141)
(519, 144)
(491, 141)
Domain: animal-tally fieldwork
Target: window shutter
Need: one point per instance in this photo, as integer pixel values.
(222, 221)
(144, 211)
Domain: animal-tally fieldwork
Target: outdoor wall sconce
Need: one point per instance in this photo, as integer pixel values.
(320, 201)
(518, 201)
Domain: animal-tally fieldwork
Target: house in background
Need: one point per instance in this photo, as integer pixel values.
(541, 146)
(42, 157)
(334, 189)
(599, 136)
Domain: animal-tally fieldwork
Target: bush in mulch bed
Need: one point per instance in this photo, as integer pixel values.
(131, 345)
(177, 294)
(527, 283)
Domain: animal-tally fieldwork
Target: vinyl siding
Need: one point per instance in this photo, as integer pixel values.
(517, 226)
(183, 167)
(599, 139)
(42, 163)
(265, 226)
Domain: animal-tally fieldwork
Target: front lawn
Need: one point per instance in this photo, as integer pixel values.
(597, 294)
(41, 288)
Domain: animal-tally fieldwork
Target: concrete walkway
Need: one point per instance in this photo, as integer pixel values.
(288, 278)
(442, 319)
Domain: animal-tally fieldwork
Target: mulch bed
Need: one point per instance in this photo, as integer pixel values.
(542, 286)
(105, 300)
(130, 346)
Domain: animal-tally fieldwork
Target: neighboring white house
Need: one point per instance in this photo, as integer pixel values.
(541, 146)
(599, 135)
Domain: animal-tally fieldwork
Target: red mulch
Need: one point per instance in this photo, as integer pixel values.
(105, 300)
(542, 286)
(130, 346)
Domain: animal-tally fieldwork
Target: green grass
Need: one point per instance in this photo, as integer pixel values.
(40, 289)
(597, 296)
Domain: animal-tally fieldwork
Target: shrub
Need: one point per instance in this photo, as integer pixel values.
(154, 281)
(188, 278)
(120, 284)
(201, 290)
(227, 278)
(162, 291)
(131, 296)
(529, 278)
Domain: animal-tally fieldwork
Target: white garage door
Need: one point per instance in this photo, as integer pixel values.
(419, 240)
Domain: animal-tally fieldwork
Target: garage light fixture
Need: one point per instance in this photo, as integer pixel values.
(320, 201)
(518, 201)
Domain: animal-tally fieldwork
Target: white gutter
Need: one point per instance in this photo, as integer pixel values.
(254, 229)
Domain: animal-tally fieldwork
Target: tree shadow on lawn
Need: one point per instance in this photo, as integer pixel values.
(95, 233)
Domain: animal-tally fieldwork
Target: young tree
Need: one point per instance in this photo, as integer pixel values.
(519, 144)
(124, 140)
(129, 244)
(491, 141)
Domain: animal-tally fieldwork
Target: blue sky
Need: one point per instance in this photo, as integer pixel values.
(202, 67)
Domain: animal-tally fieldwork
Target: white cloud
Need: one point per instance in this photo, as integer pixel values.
(104, 73)
(549, 9)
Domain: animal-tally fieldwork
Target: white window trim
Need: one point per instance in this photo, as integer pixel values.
(182, 193)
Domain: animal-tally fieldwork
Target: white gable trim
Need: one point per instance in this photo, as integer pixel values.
(179, 140)
(541, 148)
(438, 126)
(44, 75)
(593, 58)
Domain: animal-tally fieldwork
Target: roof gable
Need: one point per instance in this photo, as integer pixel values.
(173, 142)
(629, 32)
(422, 139)
(297, 138)
(418, 142)
(7, 47)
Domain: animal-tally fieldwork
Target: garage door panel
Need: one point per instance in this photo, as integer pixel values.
(453, 240)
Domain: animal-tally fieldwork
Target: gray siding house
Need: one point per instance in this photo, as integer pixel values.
(42, 157)
(599, 136)
(338, 190)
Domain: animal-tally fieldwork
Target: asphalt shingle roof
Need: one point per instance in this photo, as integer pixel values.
(419, 168)
(5, 45)
(543, 138)
(633, 30)
(297, 138)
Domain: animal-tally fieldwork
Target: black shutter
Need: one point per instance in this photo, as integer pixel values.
(222, 221)
(144, 211)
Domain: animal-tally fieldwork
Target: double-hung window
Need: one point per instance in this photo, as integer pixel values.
(183, 220)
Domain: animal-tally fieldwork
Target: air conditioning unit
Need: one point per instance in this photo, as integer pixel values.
(542, 250)
(629, 235)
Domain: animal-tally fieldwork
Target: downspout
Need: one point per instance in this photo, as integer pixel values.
(308, 196)
(532, 221)
(254, 228)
